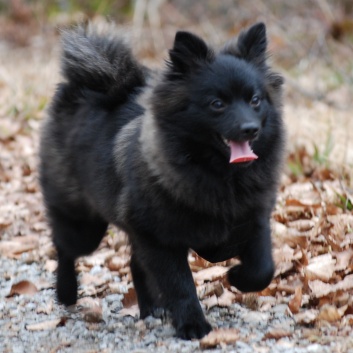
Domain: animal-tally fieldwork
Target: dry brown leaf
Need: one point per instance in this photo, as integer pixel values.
(42, 283)
(343, 259)
(130, 298)
(294, 238)
(227, 298)
(277, 333)
(284, 254)
(283, 258)
(46, 325)
(51, 265)
(329, 313)
(306, 317)
(279, 231)
(131, 311)
(320, 267)
(23, 287)
(116, 263)
(210, 302)
(118, 287)
(320, 289)
(209, 288)
(210, 274)
(98, 258)
(18, 245)
(95, 280)
(302, 225)
(341, 225)
(296, 301)
(219, 336)
(197, 263)
(283, 267)
(91, 309)
(93, 315)
(251, 301)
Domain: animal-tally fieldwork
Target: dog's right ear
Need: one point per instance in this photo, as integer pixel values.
(250, 46)
(189, 52)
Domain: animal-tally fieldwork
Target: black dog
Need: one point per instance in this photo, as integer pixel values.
(188, 158)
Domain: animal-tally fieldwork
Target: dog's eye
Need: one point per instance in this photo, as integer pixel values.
(255, 101)
(217, 104)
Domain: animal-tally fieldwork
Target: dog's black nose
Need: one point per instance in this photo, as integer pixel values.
(249, 130)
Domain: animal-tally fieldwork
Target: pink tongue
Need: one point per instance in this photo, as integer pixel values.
(241, 152)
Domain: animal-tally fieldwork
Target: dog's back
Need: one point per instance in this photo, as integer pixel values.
(100, 75)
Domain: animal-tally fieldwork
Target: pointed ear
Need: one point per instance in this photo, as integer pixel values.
(188, 52)
(251, 45)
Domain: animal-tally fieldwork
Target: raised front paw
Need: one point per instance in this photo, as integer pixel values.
(193, 328)
(249, 280)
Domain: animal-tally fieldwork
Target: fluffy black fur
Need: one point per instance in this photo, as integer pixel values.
(148, 154)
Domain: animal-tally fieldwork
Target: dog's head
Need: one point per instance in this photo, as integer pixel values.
(224, 100)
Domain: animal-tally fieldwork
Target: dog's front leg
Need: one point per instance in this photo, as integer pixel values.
(257, 268)
(169, 270)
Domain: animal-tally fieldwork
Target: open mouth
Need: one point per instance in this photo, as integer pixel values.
(240, 152)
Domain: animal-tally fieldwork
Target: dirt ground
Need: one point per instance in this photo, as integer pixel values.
(307, 308)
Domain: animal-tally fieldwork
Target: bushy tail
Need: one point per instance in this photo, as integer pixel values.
(96, 57)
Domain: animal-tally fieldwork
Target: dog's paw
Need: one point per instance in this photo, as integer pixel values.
(247, 280)
(155, 311)
(193, 330)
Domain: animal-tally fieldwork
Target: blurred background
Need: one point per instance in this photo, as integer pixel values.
(311, 44)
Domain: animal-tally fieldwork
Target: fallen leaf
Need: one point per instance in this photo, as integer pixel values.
(210, 302)
(18, 245)
(219, 336)
(343, 259)
(330, 313)
(306, 317)
(296, 301)
(51, 265)
(226, 298)
(131, 311)
(91, 309)
(251, 301)
(116, 263)
(209, 288)
(320, 267)
(277, 333)
(23, 287)
(320, 289)
(118, 287)
(130, 298)
(95, 280)
(46, 325)
(210, 274)
(302, 225)
(93, 315)
(98, 258)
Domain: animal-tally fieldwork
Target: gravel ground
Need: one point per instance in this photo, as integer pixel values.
(118, 333)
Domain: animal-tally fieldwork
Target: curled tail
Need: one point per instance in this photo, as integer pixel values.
(97, 58)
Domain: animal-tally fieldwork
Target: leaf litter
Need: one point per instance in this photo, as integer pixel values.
(313, 251)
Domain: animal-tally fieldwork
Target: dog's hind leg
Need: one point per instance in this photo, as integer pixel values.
(143, 290)
(73, 236)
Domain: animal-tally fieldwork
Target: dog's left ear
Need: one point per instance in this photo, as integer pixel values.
(251, 45)
(188, 53)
